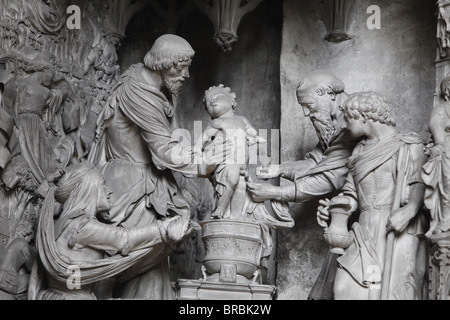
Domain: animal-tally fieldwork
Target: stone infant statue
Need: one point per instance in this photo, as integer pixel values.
(221, 104)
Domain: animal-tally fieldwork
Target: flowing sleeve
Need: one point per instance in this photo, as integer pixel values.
(349, 188)
(419, 159)
(327, 176)
(292, 170)
(411, 160)
(170, 147)
(320, 183)
(97, 235)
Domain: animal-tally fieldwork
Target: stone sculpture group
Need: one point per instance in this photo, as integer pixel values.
(88, 157)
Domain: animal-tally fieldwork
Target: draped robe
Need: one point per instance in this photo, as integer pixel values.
(135, 149)
(373, 180)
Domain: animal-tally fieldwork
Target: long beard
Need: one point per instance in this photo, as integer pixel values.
(324, 128)
(174, 86)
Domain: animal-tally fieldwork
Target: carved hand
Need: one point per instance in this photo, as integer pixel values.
(266, 172)
(261, 192)
(323, 213)
(400, 218)
(255, 140)
(345, 202)
(54, 100)
(341, 201)
(180, 228)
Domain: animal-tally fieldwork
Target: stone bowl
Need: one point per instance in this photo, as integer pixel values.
(232, 242)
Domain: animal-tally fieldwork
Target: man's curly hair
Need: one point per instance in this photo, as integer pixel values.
(321, 83)
(368, 106)
(168, 50)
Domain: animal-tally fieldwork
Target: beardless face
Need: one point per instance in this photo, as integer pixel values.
(367, 114)
(219, 101)
(355, 126)
(175, 77)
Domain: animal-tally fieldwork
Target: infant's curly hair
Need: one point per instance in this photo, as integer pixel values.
(368, 106)
(221, 89)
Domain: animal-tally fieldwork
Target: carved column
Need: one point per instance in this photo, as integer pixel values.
(439, 259)
(443, 30)
(443, 43)
(440, 271)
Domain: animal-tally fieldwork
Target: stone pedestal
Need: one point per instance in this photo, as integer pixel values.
(230, 266)
(439, 270)
(207, 290)
(232, 250)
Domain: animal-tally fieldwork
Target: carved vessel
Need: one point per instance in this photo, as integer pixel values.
(233, 250)
(337, 235)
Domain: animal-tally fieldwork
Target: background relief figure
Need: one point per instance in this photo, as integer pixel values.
(76, 240)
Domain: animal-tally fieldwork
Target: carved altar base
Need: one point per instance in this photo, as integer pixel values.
(230, 266)
(439, 269)
(232, 251)
(208, 290)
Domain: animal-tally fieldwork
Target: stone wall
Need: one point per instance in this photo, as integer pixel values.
(396, 60)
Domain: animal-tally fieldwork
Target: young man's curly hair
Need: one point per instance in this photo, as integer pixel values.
(368, 106)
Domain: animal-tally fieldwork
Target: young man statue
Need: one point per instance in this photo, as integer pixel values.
(386, 259)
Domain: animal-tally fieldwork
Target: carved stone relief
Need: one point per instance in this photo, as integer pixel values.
(58, 84)
(439, 275)
(54, 82)
(235, 218)
(385, 185)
